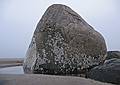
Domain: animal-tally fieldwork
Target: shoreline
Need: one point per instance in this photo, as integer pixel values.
(10, 65)
(11, 62)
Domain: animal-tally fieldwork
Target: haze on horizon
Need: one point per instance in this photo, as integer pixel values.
(18, 20)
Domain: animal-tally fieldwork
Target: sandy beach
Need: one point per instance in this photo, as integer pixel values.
(39, 79)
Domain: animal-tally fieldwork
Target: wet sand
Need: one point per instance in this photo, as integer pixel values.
(12, 70)
(39, 79)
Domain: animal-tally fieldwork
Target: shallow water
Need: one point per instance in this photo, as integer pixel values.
(12, 70)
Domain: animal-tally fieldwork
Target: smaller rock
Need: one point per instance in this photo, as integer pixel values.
(108, 72)
(113, 54)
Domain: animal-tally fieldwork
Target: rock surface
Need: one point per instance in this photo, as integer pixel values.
(37, 79)
(63, 43)
(113, 54)
(109, 72)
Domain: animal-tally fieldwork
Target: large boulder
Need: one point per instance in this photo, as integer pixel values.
(108, 72)
(113, 54)
(63, 43)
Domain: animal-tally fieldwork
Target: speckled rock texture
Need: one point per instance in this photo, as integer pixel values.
(63, 43)
(108, 72)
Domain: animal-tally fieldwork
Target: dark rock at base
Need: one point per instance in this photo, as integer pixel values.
(109, 72)
(64, 44)
(113, 54)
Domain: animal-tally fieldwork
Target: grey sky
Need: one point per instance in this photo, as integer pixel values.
(18, 19)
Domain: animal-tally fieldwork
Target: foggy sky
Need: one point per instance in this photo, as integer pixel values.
(18, 20)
